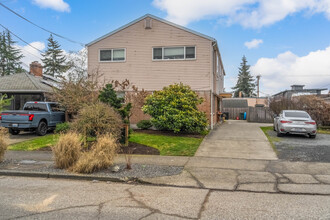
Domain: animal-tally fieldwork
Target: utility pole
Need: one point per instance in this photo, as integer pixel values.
(258, 79)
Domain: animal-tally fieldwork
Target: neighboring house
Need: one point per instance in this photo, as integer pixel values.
(152, 53)
(297, 90)
(24, 87)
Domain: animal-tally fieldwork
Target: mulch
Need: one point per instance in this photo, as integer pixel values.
(135, 148)
(132, 148)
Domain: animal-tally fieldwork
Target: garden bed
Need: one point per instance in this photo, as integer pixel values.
(132, 148)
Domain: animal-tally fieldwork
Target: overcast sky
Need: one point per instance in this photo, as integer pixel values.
(285, 41)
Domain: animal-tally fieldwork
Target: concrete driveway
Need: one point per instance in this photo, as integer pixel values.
(237, 139)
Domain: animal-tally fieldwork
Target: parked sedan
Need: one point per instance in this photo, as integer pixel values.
(294, 122)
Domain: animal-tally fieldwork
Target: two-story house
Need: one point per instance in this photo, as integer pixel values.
(152, 53)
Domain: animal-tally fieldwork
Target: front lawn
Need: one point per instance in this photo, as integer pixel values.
(168, 145)
(35, 144)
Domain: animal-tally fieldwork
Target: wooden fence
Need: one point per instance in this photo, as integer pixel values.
(260, 114)
(233, 113)
(253, 114)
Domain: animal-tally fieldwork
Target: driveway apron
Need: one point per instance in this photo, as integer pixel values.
(237, 139)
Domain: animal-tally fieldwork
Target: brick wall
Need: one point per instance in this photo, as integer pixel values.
(138, 115)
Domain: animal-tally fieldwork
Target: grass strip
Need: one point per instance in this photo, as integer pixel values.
(168, 145)
(271, 139)
(36, 143)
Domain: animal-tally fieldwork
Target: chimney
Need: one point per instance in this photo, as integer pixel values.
(36, 68)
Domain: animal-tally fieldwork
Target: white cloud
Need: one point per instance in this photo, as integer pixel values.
(277, 74)
(31, 54)
(253, 43)
(57, 5)
(248, 13)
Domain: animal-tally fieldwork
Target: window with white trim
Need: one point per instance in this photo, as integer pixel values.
(112, 55)
(174, 53)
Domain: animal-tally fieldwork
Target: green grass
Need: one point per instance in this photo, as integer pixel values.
(168, 145)
(271, 139)
(35, 144)
(323, 131)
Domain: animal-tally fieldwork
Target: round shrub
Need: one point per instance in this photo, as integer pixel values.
(67, 150)
(98, 119)
(144, 124)
(175, 108)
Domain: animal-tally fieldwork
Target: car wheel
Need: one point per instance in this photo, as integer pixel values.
(312, 136)
(13, 132)
(42, 129)
(279, 134)
(274, 128)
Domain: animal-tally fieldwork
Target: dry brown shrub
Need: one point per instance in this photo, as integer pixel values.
(3, 143)
(101, 156)
(98, 119)
(67, 150)
(316, 107)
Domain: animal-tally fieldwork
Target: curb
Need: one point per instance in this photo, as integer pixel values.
(64, 176)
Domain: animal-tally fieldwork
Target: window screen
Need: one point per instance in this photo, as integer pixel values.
(190, 52)
(158, 53)
(105, 55)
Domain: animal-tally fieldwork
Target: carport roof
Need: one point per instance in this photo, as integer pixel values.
(234, 103)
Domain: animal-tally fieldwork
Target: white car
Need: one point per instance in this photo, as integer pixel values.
(294, 122)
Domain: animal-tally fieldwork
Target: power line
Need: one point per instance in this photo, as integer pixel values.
(21, 38)
(58, 35)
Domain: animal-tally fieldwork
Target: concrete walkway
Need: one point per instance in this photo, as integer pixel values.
(237, 139)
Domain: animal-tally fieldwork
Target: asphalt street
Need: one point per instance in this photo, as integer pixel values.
(36, 198)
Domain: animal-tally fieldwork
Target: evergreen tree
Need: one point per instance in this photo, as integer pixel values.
(245, 82)
(10, 56)
(54, 60)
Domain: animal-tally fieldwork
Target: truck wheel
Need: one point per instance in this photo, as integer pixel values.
(42, 129)
(13, 132)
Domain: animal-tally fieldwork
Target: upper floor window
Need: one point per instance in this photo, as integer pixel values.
(174, 53)
(112, 55)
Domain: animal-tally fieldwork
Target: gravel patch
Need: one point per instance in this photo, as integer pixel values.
(137, 171)
(303, 148)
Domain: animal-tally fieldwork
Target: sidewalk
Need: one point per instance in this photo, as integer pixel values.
(272, 176)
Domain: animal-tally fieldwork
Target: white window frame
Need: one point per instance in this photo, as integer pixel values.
(184, 53)
(112, 61)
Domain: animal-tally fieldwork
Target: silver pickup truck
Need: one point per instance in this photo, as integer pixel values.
(35, 116)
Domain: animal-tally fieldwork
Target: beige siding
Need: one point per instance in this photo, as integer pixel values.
(154, 75)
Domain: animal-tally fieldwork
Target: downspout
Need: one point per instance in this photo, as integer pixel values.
(212, 85)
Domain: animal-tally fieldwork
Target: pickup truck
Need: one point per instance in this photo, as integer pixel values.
(35, 116)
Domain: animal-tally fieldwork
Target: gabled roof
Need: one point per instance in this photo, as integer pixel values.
(156, 18)
(24, 83)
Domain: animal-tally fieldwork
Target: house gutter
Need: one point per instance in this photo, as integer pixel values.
(212, 85)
